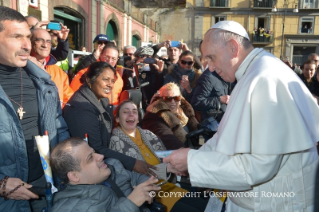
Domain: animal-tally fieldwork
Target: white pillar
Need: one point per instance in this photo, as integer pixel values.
(23, 7)
(144, 34)
(125, 29)
(102, 25)
(44, 7)
(93, 17)
(129, 30)
(147, 34)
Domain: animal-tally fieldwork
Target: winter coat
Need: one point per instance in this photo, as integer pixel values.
(173, 77)
(100, 197)
(120, 142)
(13, 152)
(84, 114)
(160, 120)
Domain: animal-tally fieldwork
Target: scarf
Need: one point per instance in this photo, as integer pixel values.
(101, 105)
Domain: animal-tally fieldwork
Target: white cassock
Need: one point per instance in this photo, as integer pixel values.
(265, 141)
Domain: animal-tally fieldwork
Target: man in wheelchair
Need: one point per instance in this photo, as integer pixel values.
(94, 184)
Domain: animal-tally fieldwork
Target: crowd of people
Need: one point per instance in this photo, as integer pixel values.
(267, 114)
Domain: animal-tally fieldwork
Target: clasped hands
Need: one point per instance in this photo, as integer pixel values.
(177, 162)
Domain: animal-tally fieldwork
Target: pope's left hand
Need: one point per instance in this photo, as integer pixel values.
(178, 160)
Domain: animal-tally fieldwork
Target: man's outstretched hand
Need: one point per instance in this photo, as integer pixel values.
(144, 192)
(177, 161)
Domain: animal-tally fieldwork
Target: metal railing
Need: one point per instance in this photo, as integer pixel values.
(263, 3)
(219, 3)
(299, 59)
(263, 37)
(309, 4)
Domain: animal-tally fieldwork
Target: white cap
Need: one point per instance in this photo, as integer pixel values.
(231, 26)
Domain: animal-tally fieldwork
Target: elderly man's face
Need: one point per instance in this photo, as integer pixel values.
(41, 43)
(219, 58)
(15, 43)
(110, 56)
(129, 52)
(309, 70)
(93, 168)
(315, 58)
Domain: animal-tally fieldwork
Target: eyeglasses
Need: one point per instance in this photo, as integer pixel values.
(169, 98)
(128, 54)
(112, 59)
(189, 63)
(42, 41)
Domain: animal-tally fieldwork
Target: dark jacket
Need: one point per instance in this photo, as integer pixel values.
(162, 122)
(85, 114)
(206, 98)
(62, 50)
(101, 197)
(315, 90)
(172, 76)
(13, 152)
(312, 85)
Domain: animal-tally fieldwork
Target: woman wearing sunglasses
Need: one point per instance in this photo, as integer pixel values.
(170, 117)
(184, 74)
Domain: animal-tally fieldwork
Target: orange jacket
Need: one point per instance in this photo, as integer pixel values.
(117, 88)
(61, 79)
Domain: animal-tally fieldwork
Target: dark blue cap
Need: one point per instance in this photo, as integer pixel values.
(101, 37)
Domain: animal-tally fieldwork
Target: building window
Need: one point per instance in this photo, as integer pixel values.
(219, 3)
(74, 22)
(308, 4)
(263, 3)
(306, 25)
(216, 19)
(300, 53)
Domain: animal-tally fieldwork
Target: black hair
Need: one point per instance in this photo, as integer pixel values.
(8, 14)
(185, 53)
(95, 69)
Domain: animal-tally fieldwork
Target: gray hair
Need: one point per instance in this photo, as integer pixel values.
(312, 55)
(223, 37)
(129, 47)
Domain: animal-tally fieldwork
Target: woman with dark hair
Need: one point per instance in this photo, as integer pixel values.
(132, 140)
(184, 74)
(88, 112)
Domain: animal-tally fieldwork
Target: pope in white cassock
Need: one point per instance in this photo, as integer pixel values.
(266, 141)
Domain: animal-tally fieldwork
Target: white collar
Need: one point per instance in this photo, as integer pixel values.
(244, 65)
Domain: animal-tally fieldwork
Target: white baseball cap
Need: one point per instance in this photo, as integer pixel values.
(231, 26)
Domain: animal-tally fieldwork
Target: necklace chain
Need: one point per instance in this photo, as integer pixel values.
(20, 109)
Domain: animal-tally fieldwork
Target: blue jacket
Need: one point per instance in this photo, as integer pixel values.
(206, 98)
(13, 152)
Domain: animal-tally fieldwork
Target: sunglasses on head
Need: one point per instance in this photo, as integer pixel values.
(169, 98)
(189, 63)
